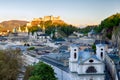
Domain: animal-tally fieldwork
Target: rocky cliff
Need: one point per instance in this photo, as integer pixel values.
(116, 36)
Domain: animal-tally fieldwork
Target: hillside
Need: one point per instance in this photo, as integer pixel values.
(63, 28)
(9, 25)
(49, 22)
(108, 24)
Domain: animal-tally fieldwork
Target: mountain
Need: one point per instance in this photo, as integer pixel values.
(9, 25)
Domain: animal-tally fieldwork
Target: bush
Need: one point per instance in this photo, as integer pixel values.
(42, 71)
(31, 48)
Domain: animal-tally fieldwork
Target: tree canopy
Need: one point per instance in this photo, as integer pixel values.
(10, 64)
(50, 27)
(40, 71)
(87, 29)
(108, 24)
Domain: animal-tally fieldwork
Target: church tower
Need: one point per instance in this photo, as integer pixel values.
(100, 51)
(43, 28)
(14, 30)
(74, 50)
(19, 29)
(26, 29)
(74, 53)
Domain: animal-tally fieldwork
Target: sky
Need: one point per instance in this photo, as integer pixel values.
(75, 12)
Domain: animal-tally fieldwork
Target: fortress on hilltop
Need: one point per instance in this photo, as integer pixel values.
(47, 18)
(36, 21)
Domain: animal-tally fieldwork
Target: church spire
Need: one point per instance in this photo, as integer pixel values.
(26, 29)
(43, 28)
(19, 29)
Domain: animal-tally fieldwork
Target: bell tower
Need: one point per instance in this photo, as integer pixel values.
(100, 51)
(74, 49)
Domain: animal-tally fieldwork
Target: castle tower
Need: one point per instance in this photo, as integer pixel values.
(100, 51)
(43, 28)
(51, 17)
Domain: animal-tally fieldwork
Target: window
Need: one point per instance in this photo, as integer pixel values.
(101, 49)
(101, 54)
(75, 55)
(91, 61)
(91, 69)
(74, 49)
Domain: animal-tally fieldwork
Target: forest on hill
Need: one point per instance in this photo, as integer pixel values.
(106, 26)
(50, 27)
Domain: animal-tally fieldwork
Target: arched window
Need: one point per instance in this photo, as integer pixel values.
(101, 54)
(75, 55)
(91, 69)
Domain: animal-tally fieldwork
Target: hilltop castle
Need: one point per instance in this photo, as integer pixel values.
(47, 18)
(36, 21)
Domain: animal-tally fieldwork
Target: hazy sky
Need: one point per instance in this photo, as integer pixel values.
(78, 12)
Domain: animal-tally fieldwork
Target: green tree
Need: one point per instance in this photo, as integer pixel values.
(42, 71)
(87, 29)
(31, 48)
(34, 28)
(35, 78)
(94, 47)
(51, 26)
(10, 64)
(108, 24)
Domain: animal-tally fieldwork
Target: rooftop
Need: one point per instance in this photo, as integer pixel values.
(59, 60)
(114, 57)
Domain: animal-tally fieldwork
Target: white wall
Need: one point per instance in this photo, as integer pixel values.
(62, 75)
(74, 76)
(111, 67)
(73, 67)
(29, 60)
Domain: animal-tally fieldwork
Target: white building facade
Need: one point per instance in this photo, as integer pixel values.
(39, 36)
(86, 65)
